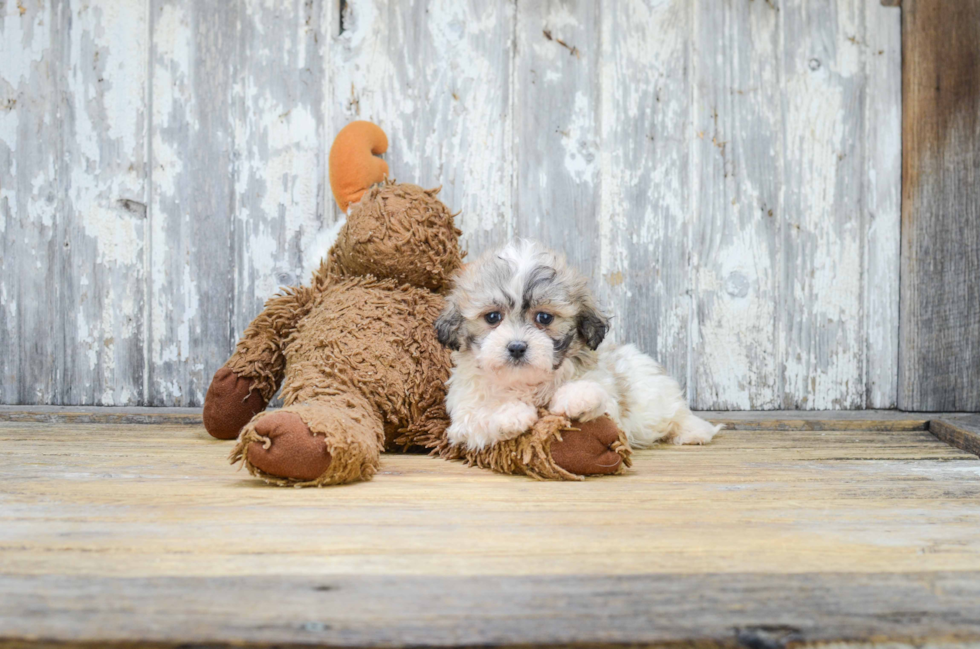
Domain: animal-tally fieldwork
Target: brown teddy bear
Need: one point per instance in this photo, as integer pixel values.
(357, 355)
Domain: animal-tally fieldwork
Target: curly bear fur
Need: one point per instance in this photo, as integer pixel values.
(359, 363)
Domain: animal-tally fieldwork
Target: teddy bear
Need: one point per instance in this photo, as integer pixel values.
(357, 356)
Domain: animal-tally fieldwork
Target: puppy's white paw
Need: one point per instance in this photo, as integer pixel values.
(694, 430)
(458, 434)
(513, 418)
(582, 400)
(482, 428)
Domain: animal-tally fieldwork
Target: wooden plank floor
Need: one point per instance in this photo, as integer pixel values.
(142, 532)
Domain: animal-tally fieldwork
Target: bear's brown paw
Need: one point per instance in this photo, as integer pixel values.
(288, 449)
(229, 404)
(591, 448)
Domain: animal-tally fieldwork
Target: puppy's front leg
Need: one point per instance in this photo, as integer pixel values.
(582, 400)
(512, 418)
(484, 426)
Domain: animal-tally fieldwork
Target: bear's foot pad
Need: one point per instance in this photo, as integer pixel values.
(229, 404)
(286, 448)
(589, 448)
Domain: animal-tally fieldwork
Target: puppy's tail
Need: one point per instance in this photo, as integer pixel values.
(688, 428)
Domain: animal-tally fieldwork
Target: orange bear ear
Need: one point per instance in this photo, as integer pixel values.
(354, 165)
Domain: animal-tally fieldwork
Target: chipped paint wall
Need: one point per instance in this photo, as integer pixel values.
(727, 171)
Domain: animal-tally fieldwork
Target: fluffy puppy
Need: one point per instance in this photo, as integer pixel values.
(526, 333)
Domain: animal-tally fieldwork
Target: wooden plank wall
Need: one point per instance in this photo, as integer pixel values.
(940, 302)
(729, 173)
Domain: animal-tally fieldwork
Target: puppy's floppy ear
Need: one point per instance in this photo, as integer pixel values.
(449, 324)
(592, 326)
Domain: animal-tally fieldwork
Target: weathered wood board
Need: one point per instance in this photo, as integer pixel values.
(940, 311)
(866, 420)
(961, 431)
(729, 175)
(805, 536)
(73, 135)
(749, 610)
(130, 500)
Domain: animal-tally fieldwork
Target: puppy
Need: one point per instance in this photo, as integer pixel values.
(526, 333)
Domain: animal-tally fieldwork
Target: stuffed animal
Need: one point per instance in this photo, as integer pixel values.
(357, 355)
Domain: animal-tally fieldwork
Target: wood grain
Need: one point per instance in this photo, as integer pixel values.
(819, 420)
(712, 611)
(940, 314)
(803, 536)
(882, 196)
(871, 420)
(160, 500)
(784, 286)
(556, 127)
(104, 182)
(735, 248)
(33, 229)
(464, 121)
(645, 183)
(153, 197)
(823, 226)
(192, 254)
(961, 431)
(278, 112)
(102, 415)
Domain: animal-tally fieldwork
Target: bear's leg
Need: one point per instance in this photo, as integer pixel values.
(332, 440)
(250, 378)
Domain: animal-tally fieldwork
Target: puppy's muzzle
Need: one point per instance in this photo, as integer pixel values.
(517, 349)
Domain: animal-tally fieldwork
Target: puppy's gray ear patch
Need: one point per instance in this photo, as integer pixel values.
(448, 326)
(592, 327)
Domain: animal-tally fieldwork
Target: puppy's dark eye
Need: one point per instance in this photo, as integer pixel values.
(544, 319)
(492, 318)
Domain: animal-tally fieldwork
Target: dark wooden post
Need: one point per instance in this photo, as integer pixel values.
(939, 355)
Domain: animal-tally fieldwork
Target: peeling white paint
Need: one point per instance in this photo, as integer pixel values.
(105, 80)
(118, 235)
(883, 131)
(579, 145)
(644, 183)
(24, 40)
(737, 168)
(40, 211)
(7, 198)
(9, 125)
(172, 37)
(651, 140)
(125, 92)
(739, 333)
(472, 45)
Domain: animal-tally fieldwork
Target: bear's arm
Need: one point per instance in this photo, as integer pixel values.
(553, 449)
(260, 353)
(243, 386)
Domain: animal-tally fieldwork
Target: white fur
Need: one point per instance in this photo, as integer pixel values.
(490, 399)
(316, 250)
(626, 384)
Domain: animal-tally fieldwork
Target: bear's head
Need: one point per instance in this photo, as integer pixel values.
(402, 232)
(394, 230)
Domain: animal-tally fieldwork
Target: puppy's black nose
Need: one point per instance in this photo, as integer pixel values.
(517, 349)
